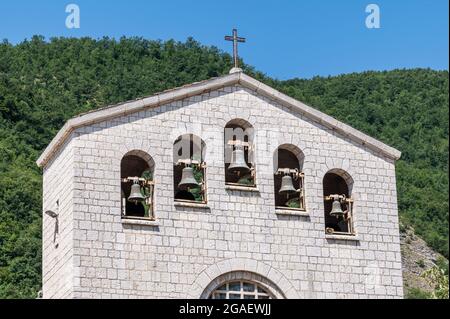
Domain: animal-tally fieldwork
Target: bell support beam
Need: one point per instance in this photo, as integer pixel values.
(239, 143)
(342, 197)
(190, 162)
(290, 171)
(138, 179)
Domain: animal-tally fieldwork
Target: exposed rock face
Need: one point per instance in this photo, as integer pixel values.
(416, 258)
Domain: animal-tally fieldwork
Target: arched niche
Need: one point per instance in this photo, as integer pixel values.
(239, 135)
(338, 182)
(189, 152)
(136, 164)
(288, 156)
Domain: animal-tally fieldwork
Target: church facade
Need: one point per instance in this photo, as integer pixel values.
(224, 188)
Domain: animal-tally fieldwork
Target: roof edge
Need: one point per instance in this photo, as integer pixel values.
(320, 117)
(132, 107)
(199, 88)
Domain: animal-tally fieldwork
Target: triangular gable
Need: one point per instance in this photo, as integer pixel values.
(199, 88)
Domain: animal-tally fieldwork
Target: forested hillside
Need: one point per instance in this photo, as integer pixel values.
(43, 83)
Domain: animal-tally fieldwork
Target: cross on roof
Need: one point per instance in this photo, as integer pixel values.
(235, 40)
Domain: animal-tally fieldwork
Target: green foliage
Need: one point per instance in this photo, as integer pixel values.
(442, 263)
(417, 293)
(437, 277)
(147, 175)
(407, 109)
(197, 191)
(43, 83)
(293, 203)
(403, 227)
(420, 263)
(246, 180)
(145, 191)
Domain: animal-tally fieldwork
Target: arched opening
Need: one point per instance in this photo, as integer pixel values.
(242, 285)
(338, 204)
(239, 153)
(189, 170)
(137, 187)
(289, 178)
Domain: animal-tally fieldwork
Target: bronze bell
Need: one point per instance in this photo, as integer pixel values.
(238, 163)
(187, 178)
(135, 194)
(336, 209)
(287, 186)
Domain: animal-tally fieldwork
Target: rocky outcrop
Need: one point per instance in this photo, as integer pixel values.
(416, 258)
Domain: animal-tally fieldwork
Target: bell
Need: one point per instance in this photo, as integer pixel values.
(187, 178)
(135, 194)
(336, 209)
(287, 186)
(238, 163)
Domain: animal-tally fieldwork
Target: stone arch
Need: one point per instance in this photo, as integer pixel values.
(244, 115)
(295, 150)
(133, 145)
(195, 144)
(142, 155)
(252, 267)
(272, 289)
(186, 129)
(239, 122)
(344, 175)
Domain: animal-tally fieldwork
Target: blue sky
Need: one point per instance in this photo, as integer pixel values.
(285, 39)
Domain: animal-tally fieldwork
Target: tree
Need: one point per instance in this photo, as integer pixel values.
(437, 277)
(44, 83)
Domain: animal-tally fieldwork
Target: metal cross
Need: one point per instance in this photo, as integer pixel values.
(235, 40)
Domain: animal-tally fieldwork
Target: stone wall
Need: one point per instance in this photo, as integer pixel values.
(57, 234)
(188, 247)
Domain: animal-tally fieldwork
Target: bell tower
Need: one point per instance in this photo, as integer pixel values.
(201, 191)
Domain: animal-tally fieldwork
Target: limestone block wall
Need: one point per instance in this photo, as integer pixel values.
(187, 248)
(57, 235)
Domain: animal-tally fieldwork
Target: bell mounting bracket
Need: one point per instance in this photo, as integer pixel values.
(342, 198)
(294, 171)
(239, 143)
(189, 161)
(140, 180)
